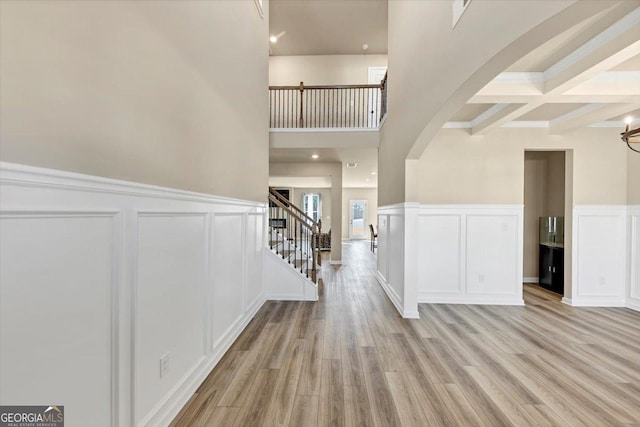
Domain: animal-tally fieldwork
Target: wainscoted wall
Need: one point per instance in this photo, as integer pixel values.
(391, 259)
(633, 289)
(470, 254)
(100, 279)
(600, 251)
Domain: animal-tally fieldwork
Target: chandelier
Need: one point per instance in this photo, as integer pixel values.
(631, 136)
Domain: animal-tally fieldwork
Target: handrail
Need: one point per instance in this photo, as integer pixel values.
(303, 87)
(298, 240)
(312, 227)
(273, 192)
(328, 106)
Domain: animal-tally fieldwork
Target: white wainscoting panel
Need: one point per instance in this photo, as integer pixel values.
(440, 255)
(390, 251)
(633, 224)
(169, 301)
(58, 273)
(100, 278)
(600, 252)
(227, 300)
(470, 254)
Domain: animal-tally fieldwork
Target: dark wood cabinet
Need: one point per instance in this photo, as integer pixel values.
(551, 268)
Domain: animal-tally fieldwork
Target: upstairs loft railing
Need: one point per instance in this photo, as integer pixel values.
(342, 106)
(294, 235)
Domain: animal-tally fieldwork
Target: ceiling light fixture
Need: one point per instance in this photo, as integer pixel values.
(274, 39)
(314, 156)
(374, 173)
(631, 136)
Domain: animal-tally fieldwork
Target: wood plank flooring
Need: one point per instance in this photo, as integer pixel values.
(351, 360)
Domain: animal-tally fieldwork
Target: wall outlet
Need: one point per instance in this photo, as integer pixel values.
(164, 364)
(601, 280)
(481, 278)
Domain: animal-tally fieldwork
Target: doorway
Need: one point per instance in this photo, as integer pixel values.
(547, 215)
(357, 219)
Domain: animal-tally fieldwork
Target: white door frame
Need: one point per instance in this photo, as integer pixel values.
(364, 218)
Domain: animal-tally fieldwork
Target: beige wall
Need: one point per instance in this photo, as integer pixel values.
(428, 82)
(459, 168)
(368, 194)
(320, 169)
(544, 186)
(633, 178)
(322, 69)
(165, 93)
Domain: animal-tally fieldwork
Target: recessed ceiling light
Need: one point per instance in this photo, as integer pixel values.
(314, 156)
(374, 173)
(367, 180)
(352, 165)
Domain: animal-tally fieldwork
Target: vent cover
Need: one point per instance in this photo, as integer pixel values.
(352, 165)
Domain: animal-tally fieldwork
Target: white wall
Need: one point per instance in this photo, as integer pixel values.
(101, 278)
(322, 69)
(159, 92)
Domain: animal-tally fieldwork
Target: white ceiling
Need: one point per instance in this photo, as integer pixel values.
(588, 75)
(358, 177)
(328, 27)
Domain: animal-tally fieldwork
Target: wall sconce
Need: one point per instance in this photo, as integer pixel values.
(631, 136)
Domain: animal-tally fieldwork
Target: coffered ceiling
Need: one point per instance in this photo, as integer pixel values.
(587, 76)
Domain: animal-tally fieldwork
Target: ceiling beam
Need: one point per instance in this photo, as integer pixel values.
(611, 47)
(588, 115)
(496, 116)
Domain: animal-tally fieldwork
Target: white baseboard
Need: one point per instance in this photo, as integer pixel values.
(426, 298)
(166, 410)
(530, 280)
(594, 302)
(391, 293)
(633, 304)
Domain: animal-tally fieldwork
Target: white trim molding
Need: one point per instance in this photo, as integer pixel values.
(633, 253)
(470, 254)
(599, 263)
(191, 264)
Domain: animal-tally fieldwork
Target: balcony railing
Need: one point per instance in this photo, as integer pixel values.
(343, 106)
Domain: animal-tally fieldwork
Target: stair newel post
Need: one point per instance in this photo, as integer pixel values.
(301, 120)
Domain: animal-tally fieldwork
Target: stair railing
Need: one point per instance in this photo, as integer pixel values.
(336, 106)
(293, 237)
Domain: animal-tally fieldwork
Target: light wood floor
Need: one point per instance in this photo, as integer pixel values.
(350, 360)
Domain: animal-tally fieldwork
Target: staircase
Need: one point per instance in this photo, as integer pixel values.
(294, 258)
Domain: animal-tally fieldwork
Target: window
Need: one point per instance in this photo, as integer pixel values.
(311, 205)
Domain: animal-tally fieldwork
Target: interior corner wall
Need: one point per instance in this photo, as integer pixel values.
(320, 169)
(322, 69)
(368, 194)
(164, 93)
